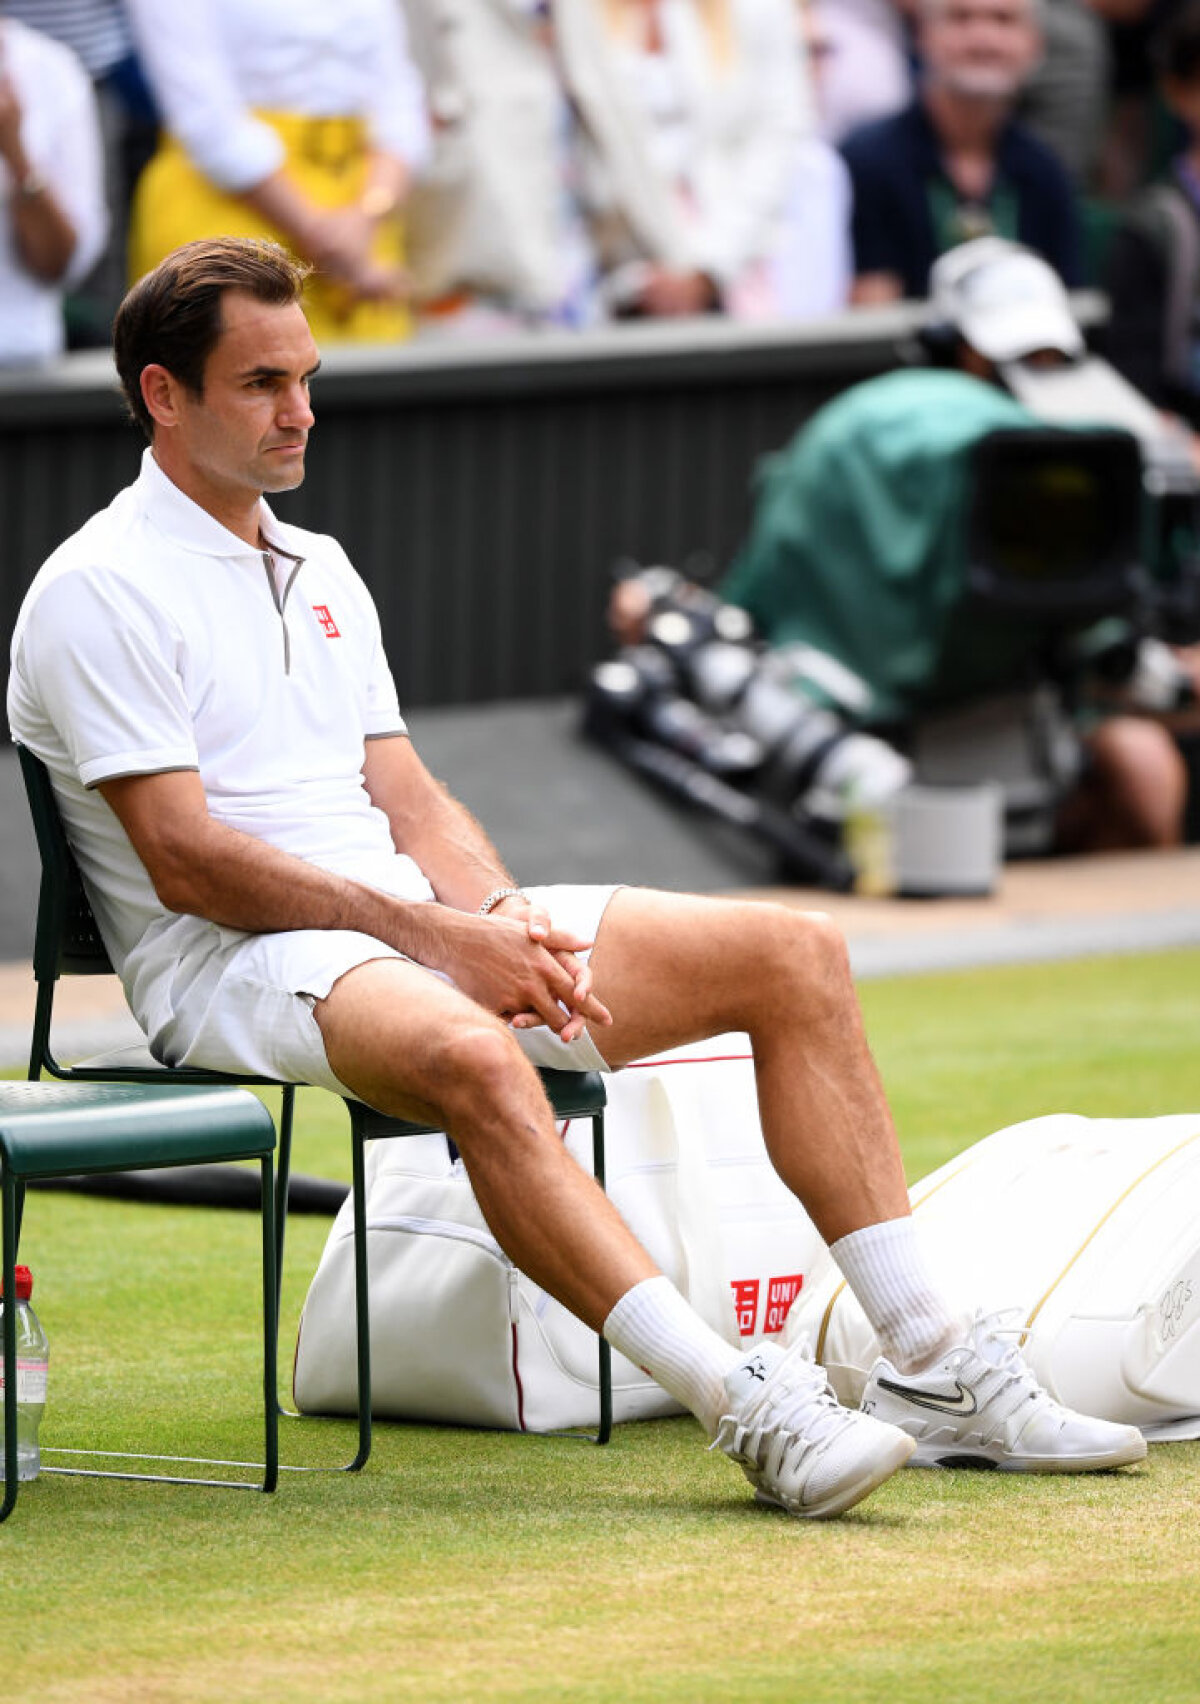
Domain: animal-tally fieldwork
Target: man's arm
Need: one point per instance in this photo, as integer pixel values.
(872, 289)
(43, 234)
(203, 867)
(456, 855)
(428, 823)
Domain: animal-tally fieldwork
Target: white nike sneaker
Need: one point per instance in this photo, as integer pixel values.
(982, 1406)
(799, 1448)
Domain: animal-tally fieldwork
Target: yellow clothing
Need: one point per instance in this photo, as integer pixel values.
(327, 160)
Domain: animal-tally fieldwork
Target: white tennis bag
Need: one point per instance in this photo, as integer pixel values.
(1090, 1229)
(458, 1334)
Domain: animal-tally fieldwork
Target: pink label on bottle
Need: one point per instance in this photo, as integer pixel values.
(31, 1381)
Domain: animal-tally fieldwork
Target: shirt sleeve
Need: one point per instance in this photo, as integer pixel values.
(103, 664)
(1133, 339)
(383, 706)
(871, 215)
(381, 709)
(188, 69)
(1065, 227)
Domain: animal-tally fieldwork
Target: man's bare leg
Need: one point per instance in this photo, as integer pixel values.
(673, 968)
(410, 1045)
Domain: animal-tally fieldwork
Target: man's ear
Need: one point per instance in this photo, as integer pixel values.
(160, 393)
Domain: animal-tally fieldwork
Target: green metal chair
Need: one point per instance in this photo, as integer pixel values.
(67, 942)
(51, 1130)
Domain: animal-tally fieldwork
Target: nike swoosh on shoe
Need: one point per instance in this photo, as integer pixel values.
(963, 1403)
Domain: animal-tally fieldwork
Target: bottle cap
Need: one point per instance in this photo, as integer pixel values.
(24, 1279)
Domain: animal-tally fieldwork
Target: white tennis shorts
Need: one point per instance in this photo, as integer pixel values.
(257, 1018)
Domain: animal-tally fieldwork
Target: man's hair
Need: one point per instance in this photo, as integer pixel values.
(1175, 48)
(172, 316)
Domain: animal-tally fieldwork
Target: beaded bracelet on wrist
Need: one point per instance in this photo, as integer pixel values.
(497, 896)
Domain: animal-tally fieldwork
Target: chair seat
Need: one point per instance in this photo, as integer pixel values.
(60, 1129)
(134, 1063)
(572, 1094)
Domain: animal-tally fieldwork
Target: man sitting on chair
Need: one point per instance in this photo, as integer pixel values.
(287, 892)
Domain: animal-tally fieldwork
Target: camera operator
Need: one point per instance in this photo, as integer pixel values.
(852, 553)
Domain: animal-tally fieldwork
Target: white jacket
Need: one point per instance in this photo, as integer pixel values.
(489, 216)
(747, 123)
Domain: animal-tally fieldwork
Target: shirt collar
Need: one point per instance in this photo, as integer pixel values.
(185, 523)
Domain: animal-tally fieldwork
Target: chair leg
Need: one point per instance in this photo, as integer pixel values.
(12, 1193)
(604, 1427)
(362, 1310)
(270, 1302)
(8, 1211)
(283, 1173)
(282, 1180)
(270, 1329)
(604, 1430)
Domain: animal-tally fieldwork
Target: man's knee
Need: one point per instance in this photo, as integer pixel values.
(799, 957)
(478, 1070)
(814, 944)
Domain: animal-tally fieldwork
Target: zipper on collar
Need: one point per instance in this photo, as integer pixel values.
(278, 598)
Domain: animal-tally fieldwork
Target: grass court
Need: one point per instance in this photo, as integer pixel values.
(477, 1566)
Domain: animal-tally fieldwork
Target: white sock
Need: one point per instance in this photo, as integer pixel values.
(656, 1329)
(884, 1266)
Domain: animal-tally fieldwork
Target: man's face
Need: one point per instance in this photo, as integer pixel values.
(246, 433)
(980, 48)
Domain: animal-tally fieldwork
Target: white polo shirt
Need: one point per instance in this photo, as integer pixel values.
(153, 640)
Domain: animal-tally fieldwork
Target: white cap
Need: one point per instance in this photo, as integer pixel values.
(1004, 300)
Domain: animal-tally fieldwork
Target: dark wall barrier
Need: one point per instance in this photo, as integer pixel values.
(482, 491)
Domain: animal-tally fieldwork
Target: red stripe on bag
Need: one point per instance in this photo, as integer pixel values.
(709, 1059)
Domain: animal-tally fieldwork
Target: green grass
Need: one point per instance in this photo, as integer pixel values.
(467, 1566)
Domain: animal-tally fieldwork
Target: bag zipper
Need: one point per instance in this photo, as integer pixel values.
(478, 1239)
(442, 1228)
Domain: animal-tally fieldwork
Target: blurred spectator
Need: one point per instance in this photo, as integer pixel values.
(813, 263)
(496, 240)
(1132, 134)
(861, 54)
(1065, 102)
(955, 165)
(1154, 265)
(636, 157)
(857, 551)
(301, 120)
(53, 219)
(98, 32)
(692, 113)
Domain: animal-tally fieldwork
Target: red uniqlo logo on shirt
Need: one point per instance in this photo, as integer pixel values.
(745, 1301)
(781, 1293)
(328, 625)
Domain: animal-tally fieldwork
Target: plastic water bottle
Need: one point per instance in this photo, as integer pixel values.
(33, 1354)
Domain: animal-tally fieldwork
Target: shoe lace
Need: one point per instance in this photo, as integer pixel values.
(809, 1399)
(989, 1332)
(802, 1408)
